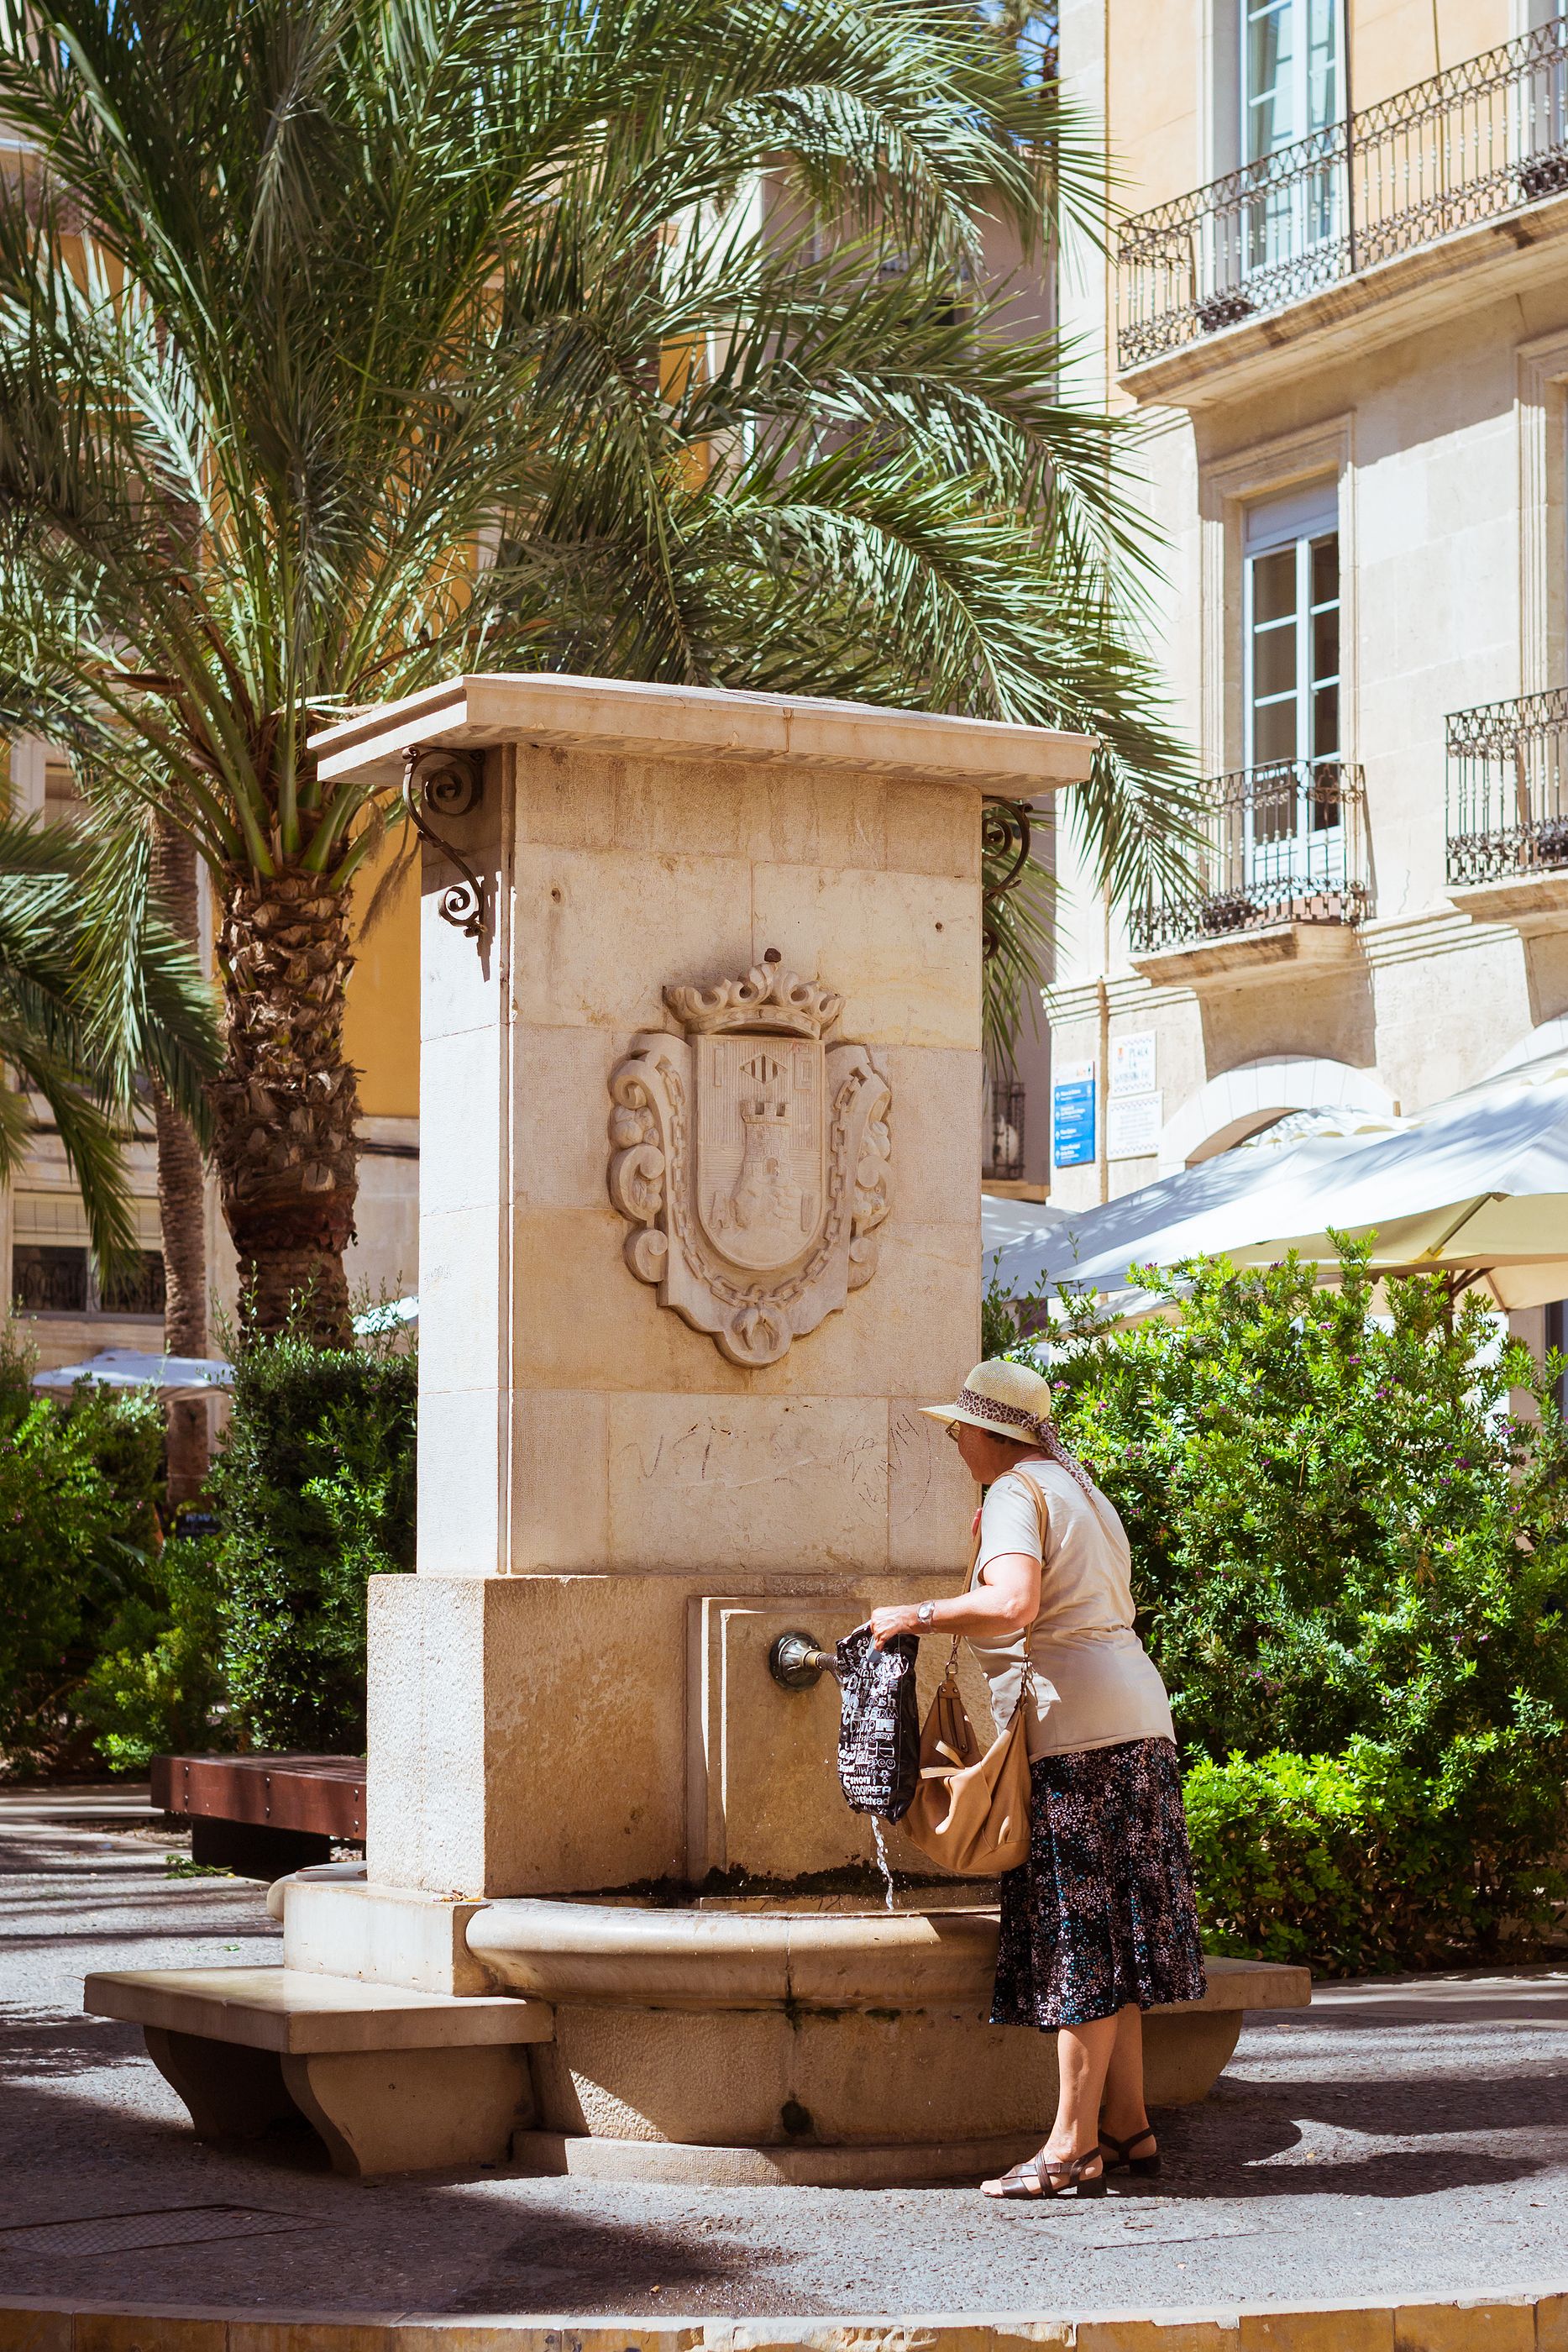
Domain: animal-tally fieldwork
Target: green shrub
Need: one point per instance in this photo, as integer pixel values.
(79, 1481)
(998, 1315)
(1352, 1565)
(156, 1685)
(314, 1490)
(1352, 1862)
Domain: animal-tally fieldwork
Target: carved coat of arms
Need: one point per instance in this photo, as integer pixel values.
(751, 1156)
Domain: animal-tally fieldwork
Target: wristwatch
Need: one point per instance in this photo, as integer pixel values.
(926, 1615)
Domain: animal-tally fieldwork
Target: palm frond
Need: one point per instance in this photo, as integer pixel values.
(95, 990)
(679, 305)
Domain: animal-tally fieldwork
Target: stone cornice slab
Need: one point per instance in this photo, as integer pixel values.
(624, 718)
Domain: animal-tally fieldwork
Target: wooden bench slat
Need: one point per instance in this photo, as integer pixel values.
(321, 1795)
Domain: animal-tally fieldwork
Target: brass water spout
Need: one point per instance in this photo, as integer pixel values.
(795, 1663)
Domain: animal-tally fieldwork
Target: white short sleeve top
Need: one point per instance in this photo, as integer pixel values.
(1095, 1684)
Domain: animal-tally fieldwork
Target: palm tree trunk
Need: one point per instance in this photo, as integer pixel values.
(182, 1196)
(286, 1102)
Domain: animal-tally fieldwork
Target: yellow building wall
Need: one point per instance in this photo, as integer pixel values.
(381, 1031)
(1157, 59)
(1398, 42)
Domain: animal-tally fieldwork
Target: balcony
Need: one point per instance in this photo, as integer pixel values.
(1277, 884)
(1507, 809)
(1484, 139)
(49, 1279)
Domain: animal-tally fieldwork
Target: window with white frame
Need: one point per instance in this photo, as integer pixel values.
(1290, 72)
(1289, 80)
(1291, 688)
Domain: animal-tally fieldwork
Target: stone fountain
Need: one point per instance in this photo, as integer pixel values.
(700, 1086)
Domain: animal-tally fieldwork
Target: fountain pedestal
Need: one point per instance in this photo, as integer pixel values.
(662, 1421)
(700, 1089)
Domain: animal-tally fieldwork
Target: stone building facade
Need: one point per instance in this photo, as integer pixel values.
(1340, 307)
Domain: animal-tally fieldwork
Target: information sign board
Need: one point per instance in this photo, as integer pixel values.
(1132, 1124)
(1072, 1115)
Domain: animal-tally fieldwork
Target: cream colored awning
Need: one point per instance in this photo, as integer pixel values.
(1513, 1247)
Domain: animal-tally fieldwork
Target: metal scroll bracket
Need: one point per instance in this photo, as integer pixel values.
(448, 783)
(1004, 832)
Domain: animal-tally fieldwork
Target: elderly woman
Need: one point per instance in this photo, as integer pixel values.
(1099, 1923)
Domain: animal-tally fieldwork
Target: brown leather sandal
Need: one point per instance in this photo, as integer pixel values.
(1039, 2178)
(1117, 2154)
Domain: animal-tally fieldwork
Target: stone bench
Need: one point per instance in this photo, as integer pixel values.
(393, 2080)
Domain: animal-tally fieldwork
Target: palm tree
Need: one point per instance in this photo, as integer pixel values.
(96, 993)
(348, 343)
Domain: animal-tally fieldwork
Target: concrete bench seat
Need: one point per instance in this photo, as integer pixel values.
(394, 2080)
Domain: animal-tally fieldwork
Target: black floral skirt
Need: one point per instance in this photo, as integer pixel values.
(1101, 1914)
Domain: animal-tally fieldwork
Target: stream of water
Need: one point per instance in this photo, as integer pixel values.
(883, 1863)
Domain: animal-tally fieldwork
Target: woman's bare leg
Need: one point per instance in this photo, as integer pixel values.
(1123, 2111)
(1083, 2055)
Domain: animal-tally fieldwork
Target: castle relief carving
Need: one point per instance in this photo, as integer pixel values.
(750, 1158)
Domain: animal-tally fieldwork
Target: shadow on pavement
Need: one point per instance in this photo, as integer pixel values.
(560, 2261)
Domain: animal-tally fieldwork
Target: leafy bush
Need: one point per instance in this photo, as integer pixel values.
(314, 1488)
(1351, 1863)
(156, 1682)
(998, 1315)
(79, 1481)
(1352, 1562)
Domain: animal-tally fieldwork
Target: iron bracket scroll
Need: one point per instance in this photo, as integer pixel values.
(1004, 833)
(449, 784)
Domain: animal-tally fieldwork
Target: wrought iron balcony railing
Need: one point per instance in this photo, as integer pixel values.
(1486, 137)
(1508, 788)
(52, 1279)
(1283, 843)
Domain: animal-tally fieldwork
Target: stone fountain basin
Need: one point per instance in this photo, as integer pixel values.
(707, 1956)
(804, 2044)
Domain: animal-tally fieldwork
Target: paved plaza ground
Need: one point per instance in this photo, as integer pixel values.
(1394, 2139)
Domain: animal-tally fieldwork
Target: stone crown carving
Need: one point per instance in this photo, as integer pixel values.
(750, 1158)
(767, 999)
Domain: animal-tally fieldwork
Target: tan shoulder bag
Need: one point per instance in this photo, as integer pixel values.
(971, 1811)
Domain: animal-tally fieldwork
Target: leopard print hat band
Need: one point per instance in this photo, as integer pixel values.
(1038, 1426)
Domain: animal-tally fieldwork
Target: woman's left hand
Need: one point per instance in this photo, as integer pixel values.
(885, 1622)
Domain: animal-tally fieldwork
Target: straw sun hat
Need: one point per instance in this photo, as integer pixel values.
(1006, 1400)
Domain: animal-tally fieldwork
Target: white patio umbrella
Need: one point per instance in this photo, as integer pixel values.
(1004, 1224)
(131, 1367)
(1205, 1206)
(392, 1315)
(1476, 1186)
